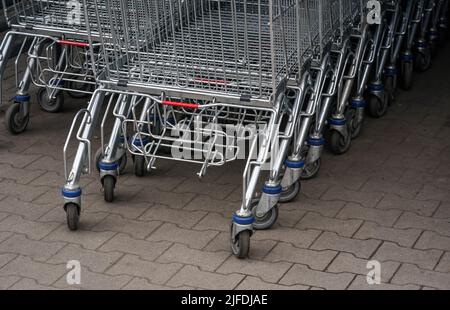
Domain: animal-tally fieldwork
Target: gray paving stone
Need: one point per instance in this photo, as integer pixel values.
(143, 284)
(28, 210)
(6, 258)
(298, 237)
(171, 199)
(342, 194)
(360, 283)
(254, 283)
(8, 281)
(346, 262)
(443, 211)
(266, 271)
(37, 250)
(300, 274)
(30, 284)
(33, 230)
(88, 239)
(134, 266)
(130, 210)
(392, 252)
(21, 176)
(411, 220)
(22, 192)
(404, 237)
(318, 260)
(41, 272)
(193, 276)
(148, 250)
(381, 217)
(444, 263)
(94, 260)
(182, 218)
(17, 160)
(375, 185)
(394, 202)
(431, 240)
(207, 261)
(192, 238)
(332, 241)
(342, 227)
(93, 281)
(137, 229)
(408, 274)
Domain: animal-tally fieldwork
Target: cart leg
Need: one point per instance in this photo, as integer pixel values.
(71, 191)
(18, 115)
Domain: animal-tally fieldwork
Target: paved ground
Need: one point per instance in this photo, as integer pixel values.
(388, 200)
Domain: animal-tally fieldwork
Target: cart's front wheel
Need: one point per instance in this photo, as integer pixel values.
(423, 60)
(240, 245)
(109, 184)
(407, 75)
(73, 216)
(311, 170)
(339, 143)
(378, 106)
(50, 105)
(290, 193)
(139, 166)
(16, 123)
(122, 161)
(264, 221)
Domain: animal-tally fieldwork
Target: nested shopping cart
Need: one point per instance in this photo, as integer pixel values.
(53, 36)
(204, 82)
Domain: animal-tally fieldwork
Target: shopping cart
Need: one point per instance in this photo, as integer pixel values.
(206, 80)
(54, 36)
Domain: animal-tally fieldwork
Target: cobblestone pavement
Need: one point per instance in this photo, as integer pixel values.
(387, 200)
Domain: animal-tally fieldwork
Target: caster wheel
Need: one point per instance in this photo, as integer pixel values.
(390, 83)
(139, 166)
(311, 170)
(122, 161)
(53, 105)
(73, 216)
(339, 143)
(109, 183)
(265, 221)
(407, 75)
(355, 125)
(290, 193)
(240, 245)
(423, 61)
(79, 90)
(15, 122)
(378, 106)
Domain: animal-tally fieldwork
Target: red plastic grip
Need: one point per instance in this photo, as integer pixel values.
(73, 43)
(181, 104)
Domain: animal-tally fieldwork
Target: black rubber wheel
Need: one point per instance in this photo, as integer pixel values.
(122, 161)
(422, 61)
(339, 144)
(73, 216)
(241, 244)
(407, 69)
(311, 170)
(109, 184)
(265, 221)
(139, 166)
(290, 193)
(53, 105)
(378, 106)
(81, 87)
(355, 126)
(14, 121)
(390, 84)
